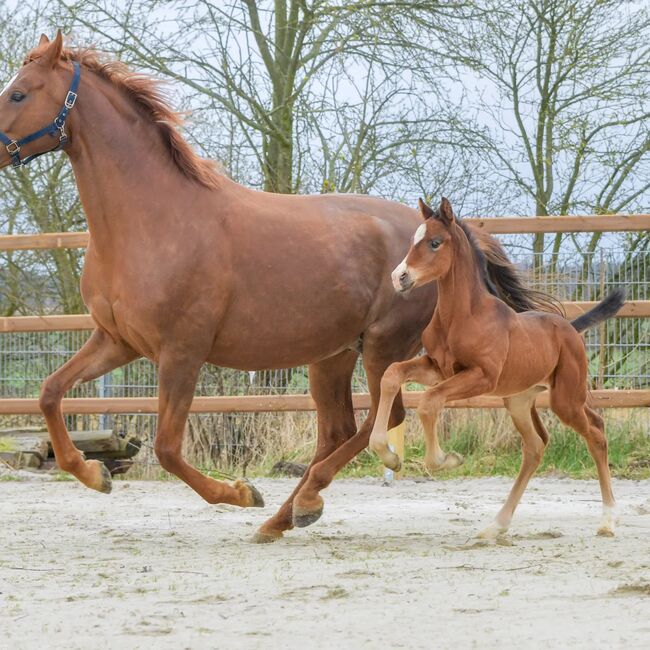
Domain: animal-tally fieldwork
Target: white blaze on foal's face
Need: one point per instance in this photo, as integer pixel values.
(419, 234)
(402, 267)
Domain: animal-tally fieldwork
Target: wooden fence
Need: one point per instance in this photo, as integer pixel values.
(262, 403)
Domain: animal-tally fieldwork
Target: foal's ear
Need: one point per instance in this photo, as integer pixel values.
(425, 210)
(52, 54)
(43, 40)
(445, 211)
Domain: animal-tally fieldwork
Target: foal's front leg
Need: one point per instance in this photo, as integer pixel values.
(467, 383)
(177, 380)
(419, 369)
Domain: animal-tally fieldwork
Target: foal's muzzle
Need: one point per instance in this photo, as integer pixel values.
(402, 280)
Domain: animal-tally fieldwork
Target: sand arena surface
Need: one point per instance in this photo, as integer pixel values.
(152, 566)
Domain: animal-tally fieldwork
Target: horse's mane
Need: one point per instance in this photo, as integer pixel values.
(501, 277)
(148, 95)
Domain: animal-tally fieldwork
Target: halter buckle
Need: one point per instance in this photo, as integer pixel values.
(12, 148)
(70, 99)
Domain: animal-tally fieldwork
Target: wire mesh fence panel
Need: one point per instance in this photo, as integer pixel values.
(619, 355)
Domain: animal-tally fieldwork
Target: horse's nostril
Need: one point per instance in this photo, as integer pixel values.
(403, 277)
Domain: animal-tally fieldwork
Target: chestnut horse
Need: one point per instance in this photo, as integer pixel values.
(185, 266)
(477, 345)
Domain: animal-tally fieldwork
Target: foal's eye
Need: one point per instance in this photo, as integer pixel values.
(17, 96)
(435, 244)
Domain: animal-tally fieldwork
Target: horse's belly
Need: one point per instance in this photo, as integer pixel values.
(251, 345)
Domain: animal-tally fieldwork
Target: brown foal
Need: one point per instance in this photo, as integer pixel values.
(476, 344)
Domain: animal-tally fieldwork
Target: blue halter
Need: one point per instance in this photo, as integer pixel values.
(56, 127)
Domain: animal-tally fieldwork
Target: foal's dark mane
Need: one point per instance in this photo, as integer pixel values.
(148, 95)
(501, 277)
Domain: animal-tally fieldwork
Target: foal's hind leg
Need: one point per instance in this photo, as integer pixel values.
(177, 380)
(533, 443)
(591, 427)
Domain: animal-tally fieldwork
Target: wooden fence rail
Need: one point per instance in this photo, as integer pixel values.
(497, 226)
(78, 322)
(282, 403)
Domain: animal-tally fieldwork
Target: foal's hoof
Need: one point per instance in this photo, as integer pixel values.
(251, 496)
(392, 461)
(266, 537)
(102, 481)
(492, 531)
(303, 517)
(451, 461)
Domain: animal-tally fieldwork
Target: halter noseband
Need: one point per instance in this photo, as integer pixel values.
(58, 125)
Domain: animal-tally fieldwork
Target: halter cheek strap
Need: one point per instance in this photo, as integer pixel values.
(56, 127)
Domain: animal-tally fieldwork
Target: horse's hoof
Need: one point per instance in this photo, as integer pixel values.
(606, 530)
(253, 498)
(103, 482)
(262, 537)
(301, 517)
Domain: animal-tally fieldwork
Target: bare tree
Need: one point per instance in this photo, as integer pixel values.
(565, 101)
(267, 64)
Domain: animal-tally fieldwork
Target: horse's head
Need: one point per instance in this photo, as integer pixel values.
(35, 102)
(430, 255)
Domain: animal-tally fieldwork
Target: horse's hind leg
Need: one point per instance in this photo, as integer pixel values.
(533, 443)
(176, 382)
(330, 386)
(308, 504)
(99, 355)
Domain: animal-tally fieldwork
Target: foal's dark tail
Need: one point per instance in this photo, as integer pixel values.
(605, 309)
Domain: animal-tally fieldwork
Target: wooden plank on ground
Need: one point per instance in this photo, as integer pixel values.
(280, 403)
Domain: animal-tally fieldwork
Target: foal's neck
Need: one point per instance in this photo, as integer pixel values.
(461, 291)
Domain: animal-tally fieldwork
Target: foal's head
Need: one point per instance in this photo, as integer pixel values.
(431, 253)
(33, 98)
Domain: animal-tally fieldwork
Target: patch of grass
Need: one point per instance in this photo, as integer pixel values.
(7, 444)
(490, 449)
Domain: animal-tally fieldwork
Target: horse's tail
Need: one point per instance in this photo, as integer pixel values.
(605, 309)
(509, 282)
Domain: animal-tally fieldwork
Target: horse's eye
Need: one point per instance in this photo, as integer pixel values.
(435, 244)
(17, 96)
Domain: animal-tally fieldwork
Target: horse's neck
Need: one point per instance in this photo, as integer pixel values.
(461, 291)
(126, 178)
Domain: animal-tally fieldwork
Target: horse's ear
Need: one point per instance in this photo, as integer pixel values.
(445, 211)
(425, 210)
(52, 54)
(43, 40)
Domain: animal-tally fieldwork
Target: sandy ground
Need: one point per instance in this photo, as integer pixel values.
(151, 566)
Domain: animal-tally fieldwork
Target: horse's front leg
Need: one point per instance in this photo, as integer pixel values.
(176, 383)
(99, 355)
(419, 369)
